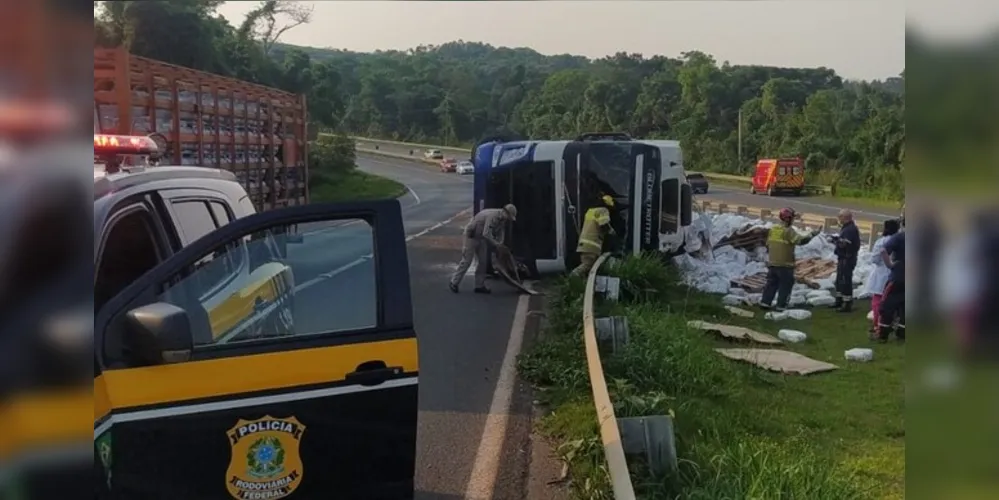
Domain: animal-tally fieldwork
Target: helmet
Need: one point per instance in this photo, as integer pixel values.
(511, 211)
(786, 214)
(608, 200)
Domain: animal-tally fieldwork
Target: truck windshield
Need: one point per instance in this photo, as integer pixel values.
(610, 168)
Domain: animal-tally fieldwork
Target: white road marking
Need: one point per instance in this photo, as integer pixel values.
(438, 225)
(482, 484)
(365, 258)
(355, 221)
(416, 196)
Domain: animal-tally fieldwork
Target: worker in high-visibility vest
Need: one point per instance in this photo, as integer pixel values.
(596, 226)
(782, 239)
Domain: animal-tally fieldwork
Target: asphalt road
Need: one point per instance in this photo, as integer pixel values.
(462, 338)
(734, 196)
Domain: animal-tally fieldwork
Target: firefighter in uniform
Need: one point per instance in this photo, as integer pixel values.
(483, 235)
(596, 226)
(781, 240)
(847, 247)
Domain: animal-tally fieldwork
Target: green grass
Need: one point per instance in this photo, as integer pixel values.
(742, 433)
(353, 185)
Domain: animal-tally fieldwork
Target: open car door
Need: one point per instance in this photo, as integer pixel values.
(235, 370)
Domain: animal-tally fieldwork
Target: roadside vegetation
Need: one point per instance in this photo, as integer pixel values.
(333, 174)
(741, 432)
(459, 92)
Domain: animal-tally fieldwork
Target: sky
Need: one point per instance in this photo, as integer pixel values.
(860, 39)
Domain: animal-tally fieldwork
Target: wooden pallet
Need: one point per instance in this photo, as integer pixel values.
(807, 271)
(747, 238)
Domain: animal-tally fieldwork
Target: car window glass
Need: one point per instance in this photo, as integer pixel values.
(319, 281)
(221, 214)
(129, 251)
(195, 220)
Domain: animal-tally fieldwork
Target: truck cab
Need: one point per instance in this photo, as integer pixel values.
(235, 354)
(553, 183)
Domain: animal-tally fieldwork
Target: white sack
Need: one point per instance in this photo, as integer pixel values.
(861, 354)
(792, 336)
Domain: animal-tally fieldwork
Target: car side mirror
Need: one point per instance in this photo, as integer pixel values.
(157, 334)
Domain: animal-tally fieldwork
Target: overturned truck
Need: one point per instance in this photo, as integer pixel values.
(554, 183)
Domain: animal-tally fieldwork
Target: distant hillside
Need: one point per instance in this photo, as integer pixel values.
(450, 52)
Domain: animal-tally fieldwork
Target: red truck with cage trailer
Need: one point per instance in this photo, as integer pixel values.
(202, 119)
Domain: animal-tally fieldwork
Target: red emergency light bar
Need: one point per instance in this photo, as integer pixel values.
(105, 144)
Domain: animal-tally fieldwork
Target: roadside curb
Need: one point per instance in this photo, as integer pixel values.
(547, 476)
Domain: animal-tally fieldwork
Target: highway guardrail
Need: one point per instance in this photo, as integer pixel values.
(610, 433)
(868, 229)
(817, 189)
(415, 145)
(650, 436)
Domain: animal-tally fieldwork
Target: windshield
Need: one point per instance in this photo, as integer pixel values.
(611, 168)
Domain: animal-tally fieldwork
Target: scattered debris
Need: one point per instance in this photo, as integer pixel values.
(778, 361)
(740, 312)
(861, 354)
(735, 300)
(734, 332)
(792, 336)
(738, 257)
(562, 476)
(799, 314)
(748, 237)
(807, 272)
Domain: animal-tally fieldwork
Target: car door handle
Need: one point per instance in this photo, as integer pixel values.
(373, 374)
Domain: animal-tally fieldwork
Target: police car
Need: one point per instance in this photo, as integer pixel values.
(205, 383)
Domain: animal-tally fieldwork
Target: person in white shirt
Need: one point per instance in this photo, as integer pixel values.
(880, 275)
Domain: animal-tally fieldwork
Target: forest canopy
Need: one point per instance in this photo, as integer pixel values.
(850, 133)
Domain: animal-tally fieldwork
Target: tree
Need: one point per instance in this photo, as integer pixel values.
(459, 92)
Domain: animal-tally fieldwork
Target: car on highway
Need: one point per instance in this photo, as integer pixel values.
(433, 154)
(698, 183)
(465, 167)
(207, 318)
(448, 165)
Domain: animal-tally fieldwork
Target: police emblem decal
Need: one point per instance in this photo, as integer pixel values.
(265, 462)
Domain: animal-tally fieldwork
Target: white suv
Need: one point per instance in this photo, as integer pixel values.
(433, 154)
